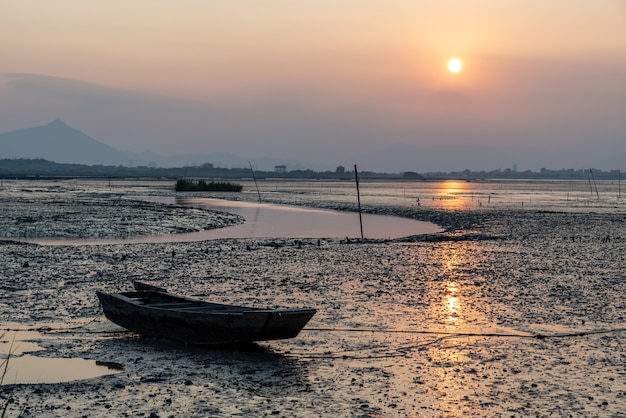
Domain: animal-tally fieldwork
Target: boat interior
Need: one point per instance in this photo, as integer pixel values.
(167, 301)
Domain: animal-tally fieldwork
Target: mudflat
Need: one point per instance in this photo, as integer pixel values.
(509, 312)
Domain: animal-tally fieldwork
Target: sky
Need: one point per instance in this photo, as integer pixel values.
(365, 82)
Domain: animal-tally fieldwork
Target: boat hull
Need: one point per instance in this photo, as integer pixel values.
(196, 322)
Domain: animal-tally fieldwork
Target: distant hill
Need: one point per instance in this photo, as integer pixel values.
(59, 142)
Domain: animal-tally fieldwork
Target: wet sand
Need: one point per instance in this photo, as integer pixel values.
(507, 313)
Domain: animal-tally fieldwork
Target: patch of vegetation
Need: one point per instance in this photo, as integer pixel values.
(4, 368)
(184, 185)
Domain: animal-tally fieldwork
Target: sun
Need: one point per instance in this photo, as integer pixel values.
(455, 65)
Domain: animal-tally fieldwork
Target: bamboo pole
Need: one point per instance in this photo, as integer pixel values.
(256, 185)
(358, 198)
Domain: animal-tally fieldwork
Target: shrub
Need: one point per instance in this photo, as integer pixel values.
(184, 185)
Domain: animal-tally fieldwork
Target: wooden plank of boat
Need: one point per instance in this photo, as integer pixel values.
(153, 312)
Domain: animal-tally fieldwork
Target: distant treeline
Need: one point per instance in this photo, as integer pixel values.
(39, 168)
(544, 173)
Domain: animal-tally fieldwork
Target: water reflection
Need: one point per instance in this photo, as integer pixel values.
(32, 369)
(17, 366)
(452, 187)
(457, 309)
(452, 302)
(453, 195)
(454, 259)
(271, 220)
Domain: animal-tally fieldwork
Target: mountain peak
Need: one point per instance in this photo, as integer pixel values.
(57, 141)
(57, 123)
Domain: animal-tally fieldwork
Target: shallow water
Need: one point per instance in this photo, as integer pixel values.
(32, 369)
(22, 367)
(295, 216)
(279, 221)
(265, 220)
(573, 195)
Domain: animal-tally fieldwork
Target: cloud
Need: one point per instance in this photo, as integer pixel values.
(79, 93)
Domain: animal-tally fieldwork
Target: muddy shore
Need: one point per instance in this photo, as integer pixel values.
(507, 313)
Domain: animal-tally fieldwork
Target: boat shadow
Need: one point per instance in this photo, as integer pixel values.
(251, 367)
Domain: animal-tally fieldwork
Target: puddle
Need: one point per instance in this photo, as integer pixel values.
(18, 343)
(24, 368)
(31, 369)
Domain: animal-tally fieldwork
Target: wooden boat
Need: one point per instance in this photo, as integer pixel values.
(153, 312)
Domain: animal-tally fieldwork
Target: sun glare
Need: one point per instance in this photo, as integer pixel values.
(455, 65)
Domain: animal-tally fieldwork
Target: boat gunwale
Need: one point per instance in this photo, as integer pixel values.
(201, 307)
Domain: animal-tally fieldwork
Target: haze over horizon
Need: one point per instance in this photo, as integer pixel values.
(542, 84)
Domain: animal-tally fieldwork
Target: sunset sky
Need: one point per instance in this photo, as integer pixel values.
(543, 84)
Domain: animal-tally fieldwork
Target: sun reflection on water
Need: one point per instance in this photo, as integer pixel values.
(452, 258)
(452, 195)
(452, 302)
(456, 313)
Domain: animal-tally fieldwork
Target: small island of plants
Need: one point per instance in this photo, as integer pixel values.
(184, 185)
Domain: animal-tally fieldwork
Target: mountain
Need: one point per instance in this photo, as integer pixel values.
(59, 142)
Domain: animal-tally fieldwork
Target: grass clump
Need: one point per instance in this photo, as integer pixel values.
(4, 368)
(184, 185)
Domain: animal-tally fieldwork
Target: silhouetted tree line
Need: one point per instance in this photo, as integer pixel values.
(544, 173)
(40, 168)
(186, 185)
